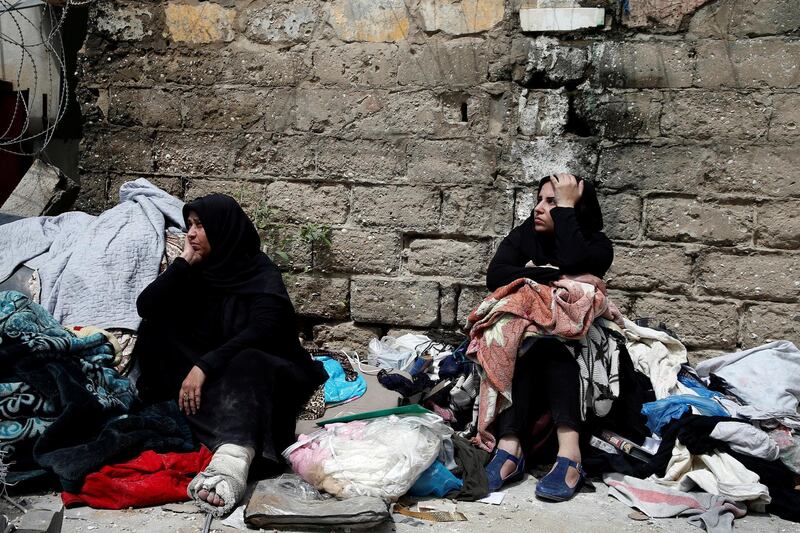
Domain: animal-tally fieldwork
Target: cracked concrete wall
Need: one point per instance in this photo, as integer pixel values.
(416, 130)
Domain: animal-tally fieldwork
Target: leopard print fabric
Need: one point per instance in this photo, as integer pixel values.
(315, 406)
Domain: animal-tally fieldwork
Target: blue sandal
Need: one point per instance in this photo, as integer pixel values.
(495, 466)
(554, 486)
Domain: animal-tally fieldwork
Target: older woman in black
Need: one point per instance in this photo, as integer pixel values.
(562, 237)
(219, 336)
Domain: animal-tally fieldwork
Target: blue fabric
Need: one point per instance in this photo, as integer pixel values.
(24, 322)
(337, 388)
(437, 481)
(28, 330)
(693, 382)
(661, 412)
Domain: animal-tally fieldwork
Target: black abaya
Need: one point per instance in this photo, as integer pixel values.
(229, 315)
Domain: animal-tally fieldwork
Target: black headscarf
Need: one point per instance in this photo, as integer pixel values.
(236, 263)
(587, 210)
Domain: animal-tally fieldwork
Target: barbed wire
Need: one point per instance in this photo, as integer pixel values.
(51, 40)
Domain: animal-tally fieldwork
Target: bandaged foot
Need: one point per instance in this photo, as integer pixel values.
(222, 484)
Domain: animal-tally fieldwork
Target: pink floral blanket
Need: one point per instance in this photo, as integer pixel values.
(566, 308)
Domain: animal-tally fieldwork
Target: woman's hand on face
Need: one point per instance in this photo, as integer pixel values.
(189, 395)
(189, 254)
(567, 189)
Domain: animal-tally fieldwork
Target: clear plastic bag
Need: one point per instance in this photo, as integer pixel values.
(380, 457)
(289, 502)
(293, 486)
(397, 353)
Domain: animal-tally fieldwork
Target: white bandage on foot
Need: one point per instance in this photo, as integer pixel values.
(226, 475)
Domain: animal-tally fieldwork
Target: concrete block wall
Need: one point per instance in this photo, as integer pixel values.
(414, 131)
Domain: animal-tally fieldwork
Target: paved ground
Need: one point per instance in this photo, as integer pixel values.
(520, 511)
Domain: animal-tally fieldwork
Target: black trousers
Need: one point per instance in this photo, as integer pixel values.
(545, 378)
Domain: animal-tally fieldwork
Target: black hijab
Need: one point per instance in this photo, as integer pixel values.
(587, 210)
(236, 263)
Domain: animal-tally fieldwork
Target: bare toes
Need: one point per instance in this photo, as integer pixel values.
(203, 494)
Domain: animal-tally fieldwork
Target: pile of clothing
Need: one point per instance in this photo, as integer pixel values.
(67, 407)
(379, 456)
(432, 373)
(728, 427)
(724, 435)
(64, 408)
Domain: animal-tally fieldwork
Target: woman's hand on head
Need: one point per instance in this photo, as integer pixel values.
(567, 189)
(190, 254)
(191, 388)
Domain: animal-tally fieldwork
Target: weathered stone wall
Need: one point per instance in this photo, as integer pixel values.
(414, 131)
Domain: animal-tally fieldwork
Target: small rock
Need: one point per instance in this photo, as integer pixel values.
(40, 521)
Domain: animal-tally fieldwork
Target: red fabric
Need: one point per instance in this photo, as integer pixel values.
(149, 479)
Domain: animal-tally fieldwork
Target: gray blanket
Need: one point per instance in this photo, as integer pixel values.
(92, 268)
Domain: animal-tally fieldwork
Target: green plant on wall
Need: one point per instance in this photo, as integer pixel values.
(252, 202)
(279, 242)
(317, 236)
(261, 215)
(276, 237)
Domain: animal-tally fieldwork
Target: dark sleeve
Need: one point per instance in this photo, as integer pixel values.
(165, 296)
(508, 264)
(577, 253)
(267, 322)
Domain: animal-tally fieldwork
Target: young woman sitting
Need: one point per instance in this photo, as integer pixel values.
(562, 237)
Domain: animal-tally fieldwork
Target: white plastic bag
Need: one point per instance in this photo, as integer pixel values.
(412, 342)
(399, 353)
(387, 353)
(380, 457)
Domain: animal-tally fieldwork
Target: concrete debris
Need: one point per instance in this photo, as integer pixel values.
(43, 190)
(40, 521)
